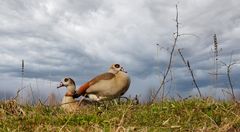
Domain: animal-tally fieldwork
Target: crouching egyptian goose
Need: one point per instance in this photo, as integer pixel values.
(112, 84)
(68, 102)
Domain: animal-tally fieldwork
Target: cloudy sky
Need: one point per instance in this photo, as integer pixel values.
(83, 38)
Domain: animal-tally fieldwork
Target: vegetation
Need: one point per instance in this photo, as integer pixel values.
(195, 114)
(169, 115)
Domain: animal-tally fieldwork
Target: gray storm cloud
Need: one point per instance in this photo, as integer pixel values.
(83, 38)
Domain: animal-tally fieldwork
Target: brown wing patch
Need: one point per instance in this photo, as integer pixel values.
(104, 76)
(85, 86)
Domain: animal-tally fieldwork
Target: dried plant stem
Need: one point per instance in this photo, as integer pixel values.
(61, 129)
(229, 66)
(176, 35)
(18, 92)
(215, 44)
(22, 73)
(191, 72)
(120, 124)
(230, 80)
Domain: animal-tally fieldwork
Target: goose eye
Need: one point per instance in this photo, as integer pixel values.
(117, 65)
(66, 79)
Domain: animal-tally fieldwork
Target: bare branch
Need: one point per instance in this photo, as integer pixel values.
(191, 72)
(189, 34)
(229, 68)
(230, 80)
(176, 35)
(19, 90)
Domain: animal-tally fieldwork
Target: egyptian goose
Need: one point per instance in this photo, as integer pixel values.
(68, 102)
(112, 84)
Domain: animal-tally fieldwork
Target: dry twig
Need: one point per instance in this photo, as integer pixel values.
(176, 35)
(191, 71)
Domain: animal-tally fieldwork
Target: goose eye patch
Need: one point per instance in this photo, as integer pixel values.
(117, 65)
(66, 79)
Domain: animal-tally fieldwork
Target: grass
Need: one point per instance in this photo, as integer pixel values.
(169, 115)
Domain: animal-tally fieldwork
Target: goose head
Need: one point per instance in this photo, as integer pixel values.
(69, 84)
(115, 68)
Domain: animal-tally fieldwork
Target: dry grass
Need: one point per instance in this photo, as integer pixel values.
(169, 115)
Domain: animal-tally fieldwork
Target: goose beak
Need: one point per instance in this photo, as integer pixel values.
(60, 85)
(122, 69)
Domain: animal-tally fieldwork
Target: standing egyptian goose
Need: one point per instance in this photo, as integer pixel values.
(112, 84)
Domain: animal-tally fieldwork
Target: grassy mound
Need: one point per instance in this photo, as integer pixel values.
(169, 115)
